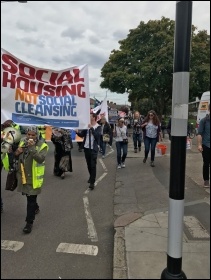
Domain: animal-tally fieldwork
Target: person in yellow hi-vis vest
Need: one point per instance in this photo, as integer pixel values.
(7, 159)
(42, 131)
(31, 155)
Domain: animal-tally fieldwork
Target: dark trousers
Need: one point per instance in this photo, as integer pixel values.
(147, 143)
(80, 145)
(31, 207)
(91, 160)
(137, 140)
(206, 163)
(102, 145)
(121, 149)
(111, 139)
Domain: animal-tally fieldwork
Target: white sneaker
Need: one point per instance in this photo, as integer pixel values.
(119, 166)
(103, 156)
(123, 165)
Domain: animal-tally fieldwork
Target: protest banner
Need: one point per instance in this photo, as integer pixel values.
(37, 96)
(74, 136)
(113, 115)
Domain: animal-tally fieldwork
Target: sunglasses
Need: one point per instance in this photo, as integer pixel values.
(151, 114)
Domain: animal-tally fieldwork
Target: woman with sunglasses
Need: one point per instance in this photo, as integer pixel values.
(152, 133)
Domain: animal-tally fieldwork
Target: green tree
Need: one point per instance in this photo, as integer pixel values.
(143, 65)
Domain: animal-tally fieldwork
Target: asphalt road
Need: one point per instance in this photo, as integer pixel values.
(80, 222)
(68, 214)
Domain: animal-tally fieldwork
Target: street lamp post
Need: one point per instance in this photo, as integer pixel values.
(180, 99)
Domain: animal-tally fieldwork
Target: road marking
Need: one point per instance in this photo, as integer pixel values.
(79, 249)
(111, 151)
(101, 178)
(103, 165)
(96, 182)
(11, 245)
(92, 233)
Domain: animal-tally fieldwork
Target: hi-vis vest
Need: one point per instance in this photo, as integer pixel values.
(5, 162)
(16, 126)
(38, 169)
(42, 131)
(5, 158)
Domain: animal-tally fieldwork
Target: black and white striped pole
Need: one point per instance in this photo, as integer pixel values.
(180, 98)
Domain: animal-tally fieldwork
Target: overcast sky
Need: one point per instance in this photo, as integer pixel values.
(58, 34)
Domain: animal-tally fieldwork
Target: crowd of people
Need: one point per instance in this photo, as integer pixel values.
(27, 157)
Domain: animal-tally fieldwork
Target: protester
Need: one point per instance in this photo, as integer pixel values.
(137, 131)
(203, 139)
(7, 160)
(105, 135)
(168, 128)
(42, 131)
(62, 141)
(163, 126)
(91, 147)
(152, 134)
(111, 135)
(121, 135)
(31, 155)
(80, 146)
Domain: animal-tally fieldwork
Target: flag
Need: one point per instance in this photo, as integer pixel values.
(104, 109)
(121, 114)
(97, 102)
(96, 110)
(101, 110)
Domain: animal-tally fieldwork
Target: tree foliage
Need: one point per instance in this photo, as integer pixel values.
(143, 65)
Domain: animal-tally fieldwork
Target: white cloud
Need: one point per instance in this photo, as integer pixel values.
(59, 34)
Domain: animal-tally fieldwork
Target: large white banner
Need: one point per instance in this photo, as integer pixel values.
(37, 96)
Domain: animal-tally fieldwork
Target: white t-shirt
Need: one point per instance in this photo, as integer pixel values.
(121, 133)
(86, 144)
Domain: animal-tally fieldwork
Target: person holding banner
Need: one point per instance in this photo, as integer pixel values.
(62, 141)
(91, 147)
(31, 155)
(7, 159)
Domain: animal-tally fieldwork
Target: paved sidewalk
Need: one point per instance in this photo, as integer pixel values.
(141, 236)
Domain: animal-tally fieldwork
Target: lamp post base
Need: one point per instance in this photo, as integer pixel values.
(167, 275)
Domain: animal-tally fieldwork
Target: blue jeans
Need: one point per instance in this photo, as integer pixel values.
(147, 143)
(137, 140)
(121, 151)
(103, 145)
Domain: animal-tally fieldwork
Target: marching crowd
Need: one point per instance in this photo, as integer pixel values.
(25, 159)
